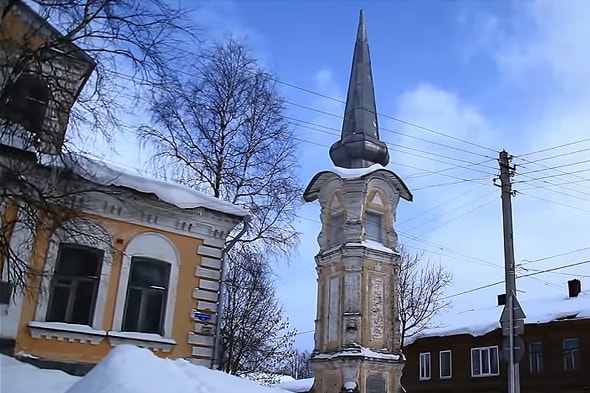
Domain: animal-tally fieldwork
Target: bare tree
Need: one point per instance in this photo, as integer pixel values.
(68, 65)
(223, 130)
(220, 128)
(421, 286)
(255, 336)
(298, 365)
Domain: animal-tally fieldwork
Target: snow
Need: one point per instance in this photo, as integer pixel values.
(19, 377)
(297, 386)
(129, 369)
(142, 337)
(372, 244)
(70, 327)
(126, 369)
(354, 173)
(173, 193)
(478, 322)
(358, 351)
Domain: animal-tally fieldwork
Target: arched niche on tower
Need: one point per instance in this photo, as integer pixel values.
(333, 214)
(379, 210)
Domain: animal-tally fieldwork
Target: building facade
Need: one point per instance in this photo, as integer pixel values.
(556, 351)
(357, 337)
(106, 257)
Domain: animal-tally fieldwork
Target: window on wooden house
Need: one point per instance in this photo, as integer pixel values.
(147, 292)
(445, 364)
(74, 285)
(536, 357)
(484, 361)
(26, 101)
(424, 366)
(374, 226)
(571, 354)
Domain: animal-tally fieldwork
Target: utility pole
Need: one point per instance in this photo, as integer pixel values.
(512, 318)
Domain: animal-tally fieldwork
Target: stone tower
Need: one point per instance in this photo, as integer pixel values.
(357, 336)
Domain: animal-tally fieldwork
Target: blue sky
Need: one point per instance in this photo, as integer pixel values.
(499, 74)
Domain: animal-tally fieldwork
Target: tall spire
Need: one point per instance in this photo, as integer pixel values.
(359, 145)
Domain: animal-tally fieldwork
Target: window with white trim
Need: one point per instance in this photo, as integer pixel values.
(74, 285)
(147, 290)
(445, 364)
(536, 357)
(424, 366)
(146, 294)
(571, 354)
(374, 226)
(484, 361)
(79, 260)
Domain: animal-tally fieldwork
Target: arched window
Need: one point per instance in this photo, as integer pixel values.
(25, 102)
(147, 290)
(79, 262)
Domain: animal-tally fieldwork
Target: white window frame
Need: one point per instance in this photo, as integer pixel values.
(369, 213)
(156, 246)
(571, 352)
(99, 239)
(531, 353)
(496, 360)
(440, 354)
(422, 357)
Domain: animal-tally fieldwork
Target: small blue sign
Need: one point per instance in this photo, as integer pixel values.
(201, 316)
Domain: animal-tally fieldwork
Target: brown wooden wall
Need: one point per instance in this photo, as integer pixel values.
(553, 379)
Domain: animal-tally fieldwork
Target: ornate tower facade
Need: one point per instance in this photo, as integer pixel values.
(357, 336)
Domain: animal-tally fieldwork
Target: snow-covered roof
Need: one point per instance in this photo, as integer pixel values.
(173, 193)
(354, 173)
(297, 386)
(478, 322)
(127, 369)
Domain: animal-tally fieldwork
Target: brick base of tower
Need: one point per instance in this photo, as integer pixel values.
(357, 370)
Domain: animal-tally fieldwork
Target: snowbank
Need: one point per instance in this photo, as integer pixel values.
(478, 322)
(19, 377)
(129, 369)
(173, 193)
(297, 386)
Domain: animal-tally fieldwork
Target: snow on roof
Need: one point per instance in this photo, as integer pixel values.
(297, 386)
(478, 322)
(129, 369)
(312, 189)
(354, 173)
(169, 192)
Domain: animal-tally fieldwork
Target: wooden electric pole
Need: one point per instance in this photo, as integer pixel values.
(512, 318)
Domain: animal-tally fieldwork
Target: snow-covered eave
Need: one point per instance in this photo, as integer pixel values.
(171, 193)
(482, 331)
(312, 191)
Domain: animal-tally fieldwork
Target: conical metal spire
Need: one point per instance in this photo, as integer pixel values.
(359, 145)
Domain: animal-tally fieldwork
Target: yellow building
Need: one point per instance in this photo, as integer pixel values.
(132, 261)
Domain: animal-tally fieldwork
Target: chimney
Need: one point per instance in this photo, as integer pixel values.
(502, 299)
(574, 287)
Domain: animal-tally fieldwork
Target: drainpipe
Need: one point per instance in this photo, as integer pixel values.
(217, 340)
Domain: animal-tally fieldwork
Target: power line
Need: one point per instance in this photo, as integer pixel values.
(552, 148)
(527, 261)
(522, 276)
(309, 91)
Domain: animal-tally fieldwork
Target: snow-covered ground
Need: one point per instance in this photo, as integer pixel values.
(126, 369)
(19, 377)
(297, 386)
